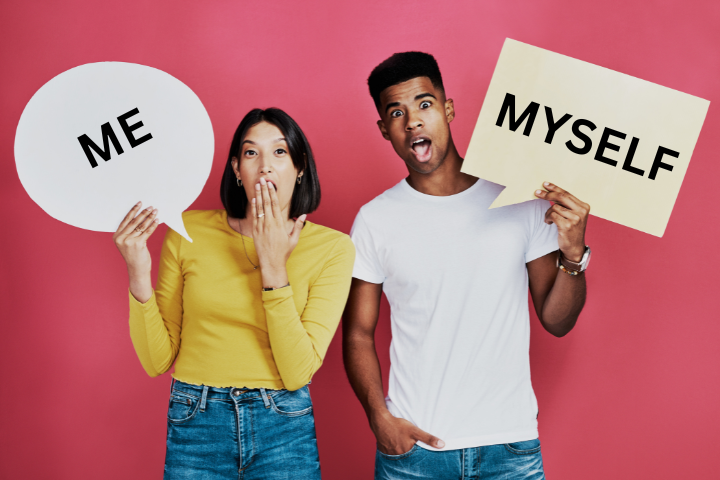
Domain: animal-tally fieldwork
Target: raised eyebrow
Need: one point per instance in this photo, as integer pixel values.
(391, 105)
(423, 95)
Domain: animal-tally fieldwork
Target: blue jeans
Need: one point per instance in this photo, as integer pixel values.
(232, 433)
(510, 461)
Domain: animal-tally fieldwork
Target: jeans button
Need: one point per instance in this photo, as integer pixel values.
(236, 392)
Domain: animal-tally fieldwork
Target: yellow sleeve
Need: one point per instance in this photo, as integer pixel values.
(155, 325)
(299, 343)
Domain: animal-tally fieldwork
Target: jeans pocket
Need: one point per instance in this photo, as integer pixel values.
(182, 408)
(528, 447)
(292, 403)
(402, 455)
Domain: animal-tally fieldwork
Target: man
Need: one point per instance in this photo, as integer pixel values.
(460, 402)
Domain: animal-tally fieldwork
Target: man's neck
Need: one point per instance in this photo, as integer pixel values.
(446, 180)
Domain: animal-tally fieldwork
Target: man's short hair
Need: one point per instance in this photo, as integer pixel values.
(401, 67)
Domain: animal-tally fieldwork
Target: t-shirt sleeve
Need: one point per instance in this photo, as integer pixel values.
(543, 237)
(367, 264)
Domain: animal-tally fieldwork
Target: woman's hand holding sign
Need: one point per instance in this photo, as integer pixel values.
(272, 241)
(131, 239)
(570, 216)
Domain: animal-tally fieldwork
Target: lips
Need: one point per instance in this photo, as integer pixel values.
(421, 147)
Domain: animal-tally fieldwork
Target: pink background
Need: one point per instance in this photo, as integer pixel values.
(633, 392)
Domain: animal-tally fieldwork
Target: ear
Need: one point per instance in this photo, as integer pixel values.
(236, 166)
(449, 110)
(383, 130)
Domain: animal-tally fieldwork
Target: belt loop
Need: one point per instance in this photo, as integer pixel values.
(265, 398)
(203, 400)
(172, 385)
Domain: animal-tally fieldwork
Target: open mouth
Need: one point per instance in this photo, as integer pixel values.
(421, 148)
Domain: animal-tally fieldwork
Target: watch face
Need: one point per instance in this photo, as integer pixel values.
(586, 258)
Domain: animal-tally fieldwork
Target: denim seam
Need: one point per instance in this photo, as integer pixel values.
(402, 455)
(299, 413)
(532, 451)
(184, 420)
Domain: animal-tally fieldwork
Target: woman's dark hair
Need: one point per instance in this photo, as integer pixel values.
(306, 196)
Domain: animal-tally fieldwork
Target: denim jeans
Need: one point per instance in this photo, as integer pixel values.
(511, 461)
(233, 433)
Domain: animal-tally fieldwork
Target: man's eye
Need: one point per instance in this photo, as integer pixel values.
(425, 105)
(280, 151)
(396, 113)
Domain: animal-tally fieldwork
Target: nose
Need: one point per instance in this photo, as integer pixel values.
(413, 121)
(266, 164)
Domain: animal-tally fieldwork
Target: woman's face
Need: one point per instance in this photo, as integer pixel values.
(264, 154)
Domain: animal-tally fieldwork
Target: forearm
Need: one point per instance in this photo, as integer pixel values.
(140, 283)
(294, 350)
(564, 303)
(152, 342)
(363, 370)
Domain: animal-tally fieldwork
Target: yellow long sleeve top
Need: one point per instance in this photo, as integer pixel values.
(209, 315)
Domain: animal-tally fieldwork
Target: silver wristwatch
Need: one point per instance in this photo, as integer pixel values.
(579, 267)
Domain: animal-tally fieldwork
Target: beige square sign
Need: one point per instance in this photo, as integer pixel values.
(619, 143)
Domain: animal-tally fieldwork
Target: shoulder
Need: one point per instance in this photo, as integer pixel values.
(200, 217)
(320, 234)
(385, 204)
(198, 223)
(324, 242)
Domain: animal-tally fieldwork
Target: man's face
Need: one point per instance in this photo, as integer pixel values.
(415, 118)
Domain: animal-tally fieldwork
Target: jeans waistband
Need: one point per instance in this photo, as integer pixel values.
(225, 393)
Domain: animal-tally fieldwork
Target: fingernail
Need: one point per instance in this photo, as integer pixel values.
(138, 204)
(157, 220)
(546, 183)
(262, 181)
(257, 186)
(155, 211)
(253, 200)
(270, 184)
(538, 192)
(149, 208)
(440, 444)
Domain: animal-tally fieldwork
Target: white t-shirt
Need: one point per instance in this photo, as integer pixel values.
(454, 274)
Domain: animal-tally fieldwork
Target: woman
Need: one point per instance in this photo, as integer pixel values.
(246, 311)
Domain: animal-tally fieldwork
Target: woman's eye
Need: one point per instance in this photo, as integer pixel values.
(280, 151)
(250, 153)
(396, 113)
(425, 105)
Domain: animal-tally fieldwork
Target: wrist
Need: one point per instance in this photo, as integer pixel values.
(378, 416)
(274, 277)
(574, 254)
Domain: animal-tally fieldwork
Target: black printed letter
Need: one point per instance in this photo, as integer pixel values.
(554, 127)
(605, 144)
(529, 113)
(657, 163)
(581, 122)
(128, 129)
(107, 134)
(627, 164)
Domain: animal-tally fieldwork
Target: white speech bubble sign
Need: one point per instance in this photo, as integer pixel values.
(98, 138)
(632, 139)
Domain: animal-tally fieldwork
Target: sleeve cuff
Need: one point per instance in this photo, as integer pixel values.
(541, 251)
(135, 304)
(367, 276)
(279, 294)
